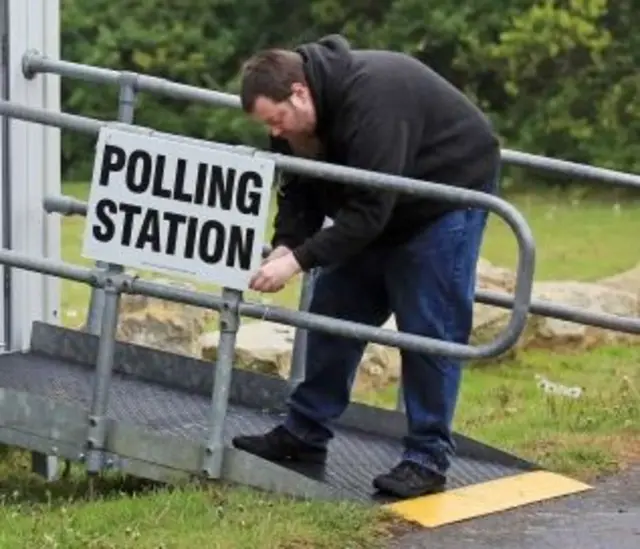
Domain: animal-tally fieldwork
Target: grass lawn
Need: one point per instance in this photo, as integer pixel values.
(128, 515)
(500, 404)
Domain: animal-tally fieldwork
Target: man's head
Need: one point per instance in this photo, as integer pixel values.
(275, 91)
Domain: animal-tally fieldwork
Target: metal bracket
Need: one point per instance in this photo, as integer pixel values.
(28, 59)
(230, 311)
(129, 80)
(96, 434)
(111, 280)
(97, 458)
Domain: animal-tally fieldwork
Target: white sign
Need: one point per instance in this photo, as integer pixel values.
(177, 207)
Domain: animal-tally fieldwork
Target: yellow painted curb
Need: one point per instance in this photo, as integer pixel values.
(485, 498)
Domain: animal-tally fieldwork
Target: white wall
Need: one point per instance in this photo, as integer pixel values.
(3, 205)
(34, 165)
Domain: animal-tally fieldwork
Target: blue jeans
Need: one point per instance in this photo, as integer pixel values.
(428, 282)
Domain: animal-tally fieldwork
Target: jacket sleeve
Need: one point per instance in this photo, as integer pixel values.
(378, 140)
(296, 216)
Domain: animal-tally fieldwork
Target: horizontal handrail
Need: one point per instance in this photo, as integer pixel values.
(34, 62)
(561, 311)
(354, 176)
(567, 168)
(132, 285)
(66, 205)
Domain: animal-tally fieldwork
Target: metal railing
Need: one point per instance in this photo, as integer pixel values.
(358, 177)
(69, 206)
(231, 305)
(130, 83)
(33, 63)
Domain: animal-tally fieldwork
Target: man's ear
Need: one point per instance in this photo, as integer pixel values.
(298, 89)
(300, 94)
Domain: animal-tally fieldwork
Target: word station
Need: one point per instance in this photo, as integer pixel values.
(177, 207)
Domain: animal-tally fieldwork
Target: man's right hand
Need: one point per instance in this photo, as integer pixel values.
(276, 253)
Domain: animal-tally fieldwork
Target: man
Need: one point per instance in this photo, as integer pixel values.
(386, 252)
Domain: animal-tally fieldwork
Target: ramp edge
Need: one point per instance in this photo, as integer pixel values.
(51, 427)
(243, 468)
(486, 498)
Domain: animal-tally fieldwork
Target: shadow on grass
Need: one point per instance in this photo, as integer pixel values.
(19, 485)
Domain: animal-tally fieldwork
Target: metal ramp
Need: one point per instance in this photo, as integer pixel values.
(158, 416)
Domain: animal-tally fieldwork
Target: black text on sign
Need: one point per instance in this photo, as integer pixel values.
(185, 205)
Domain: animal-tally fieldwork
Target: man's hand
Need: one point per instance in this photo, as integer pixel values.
(276, 253)
(275, 273)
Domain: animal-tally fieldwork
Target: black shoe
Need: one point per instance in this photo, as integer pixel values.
(280, 445)
(409, 480)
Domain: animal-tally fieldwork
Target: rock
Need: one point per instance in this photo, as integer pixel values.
(261, 346)
(489, 321)
(380, 365)
(161, 324)
(492, 277)
(628, 281)
(266, 347)
(551, 333)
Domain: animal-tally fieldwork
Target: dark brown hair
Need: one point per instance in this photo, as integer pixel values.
(270, 73)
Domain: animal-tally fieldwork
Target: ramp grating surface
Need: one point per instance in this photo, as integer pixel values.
(355, 457)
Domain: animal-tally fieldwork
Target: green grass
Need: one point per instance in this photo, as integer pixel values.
(500, 403)
(129, 515)
(576, 237)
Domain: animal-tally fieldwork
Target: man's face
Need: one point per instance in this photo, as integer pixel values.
(292, 119)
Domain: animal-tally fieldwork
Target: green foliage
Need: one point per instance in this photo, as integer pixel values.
(558, 65)
(557, 77)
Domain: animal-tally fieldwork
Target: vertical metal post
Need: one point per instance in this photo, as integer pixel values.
(102, 379)
(400, 397)
(229, 323)
(5, 170)
(126, 109)
(299, 351)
